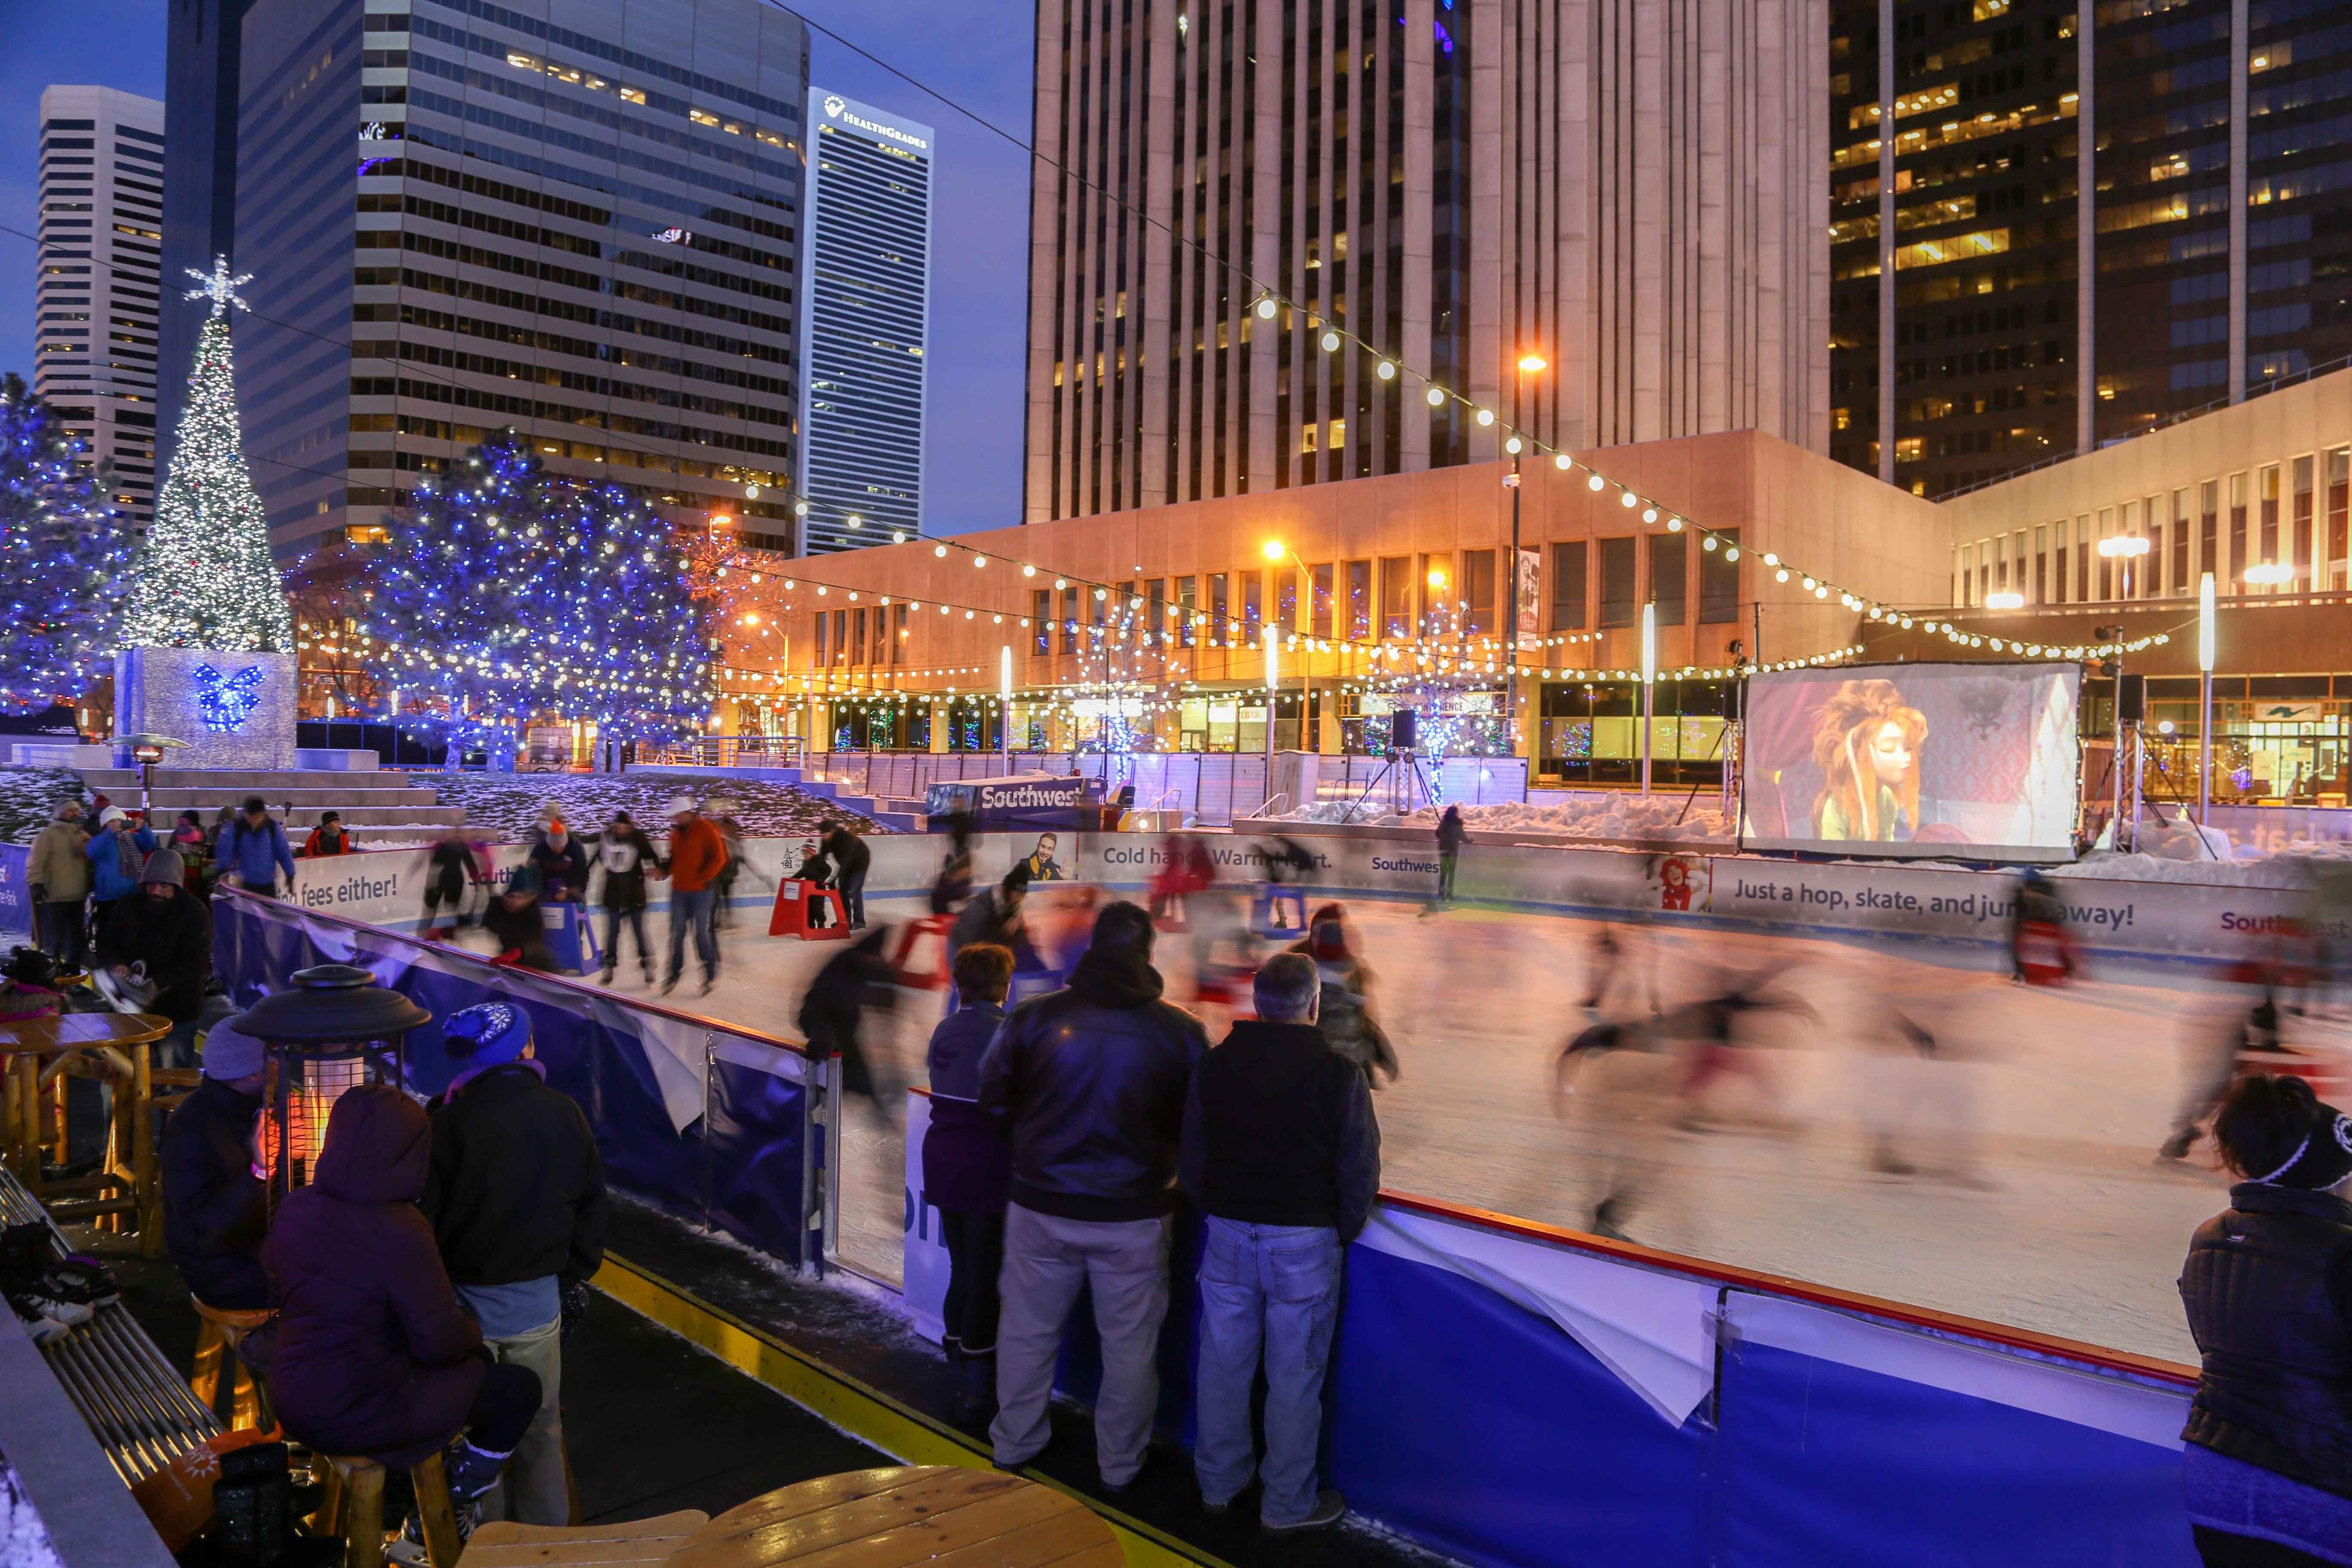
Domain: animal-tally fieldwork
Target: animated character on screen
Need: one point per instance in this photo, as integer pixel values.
(1673, 883)
(1866, 741)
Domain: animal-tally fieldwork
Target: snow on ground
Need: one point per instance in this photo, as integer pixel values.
(510, 804)
(1599, 816)
(2022, 1187)
(30, 796)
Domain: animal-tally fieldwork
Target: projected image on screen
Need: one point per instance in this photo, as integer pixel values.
(1966, 761)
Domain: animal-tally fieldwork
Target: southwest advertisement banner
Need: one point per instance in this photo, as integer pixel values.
(1950, 762)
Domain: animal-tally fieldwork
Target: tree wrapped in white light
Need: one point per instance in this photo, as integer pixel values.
(62, 550)
(204, 576)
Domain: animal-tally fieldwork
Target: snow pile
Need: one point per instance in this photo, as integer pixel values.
(2104, 866)
(1599, 816)
(510, 804)
(30, 796)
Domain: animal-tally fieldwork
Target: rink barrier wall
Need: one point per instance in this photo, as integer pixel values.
(1587, 1400)
(712, 1121)
(2130, 921)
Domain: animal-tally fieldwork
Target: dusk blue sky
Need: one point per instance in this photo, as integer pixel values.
(978, 54)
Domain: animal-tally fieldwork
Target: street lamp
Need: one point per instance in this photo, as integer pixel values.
(1004, 691)
(2270, 573)
(2128, 548)
(1273, 679)
(1649, 680)
(1531, 362)
(2007, 599)
(2204, 698)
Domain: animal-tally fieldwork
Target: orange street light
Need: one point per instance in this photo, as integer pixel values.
(1532, 362)
(1273, 550)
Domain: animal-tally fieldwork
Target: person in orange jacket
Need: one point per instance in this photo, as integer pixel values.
(696, 854)
(328, 838)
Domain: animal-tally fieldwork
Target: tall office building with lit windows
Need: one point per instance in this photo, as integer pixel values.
(1632, 192)
(1986, 315)
(577, 218)
(102, 184)
(865, 316)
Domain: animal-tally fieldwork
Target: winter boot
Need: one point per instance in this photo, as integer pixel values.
(251, 1499)
(472, 1471)
(2177, 1147)
(975, 1400)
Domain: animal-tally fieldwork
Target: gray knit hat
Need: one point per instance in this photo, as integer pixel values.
(162, 865)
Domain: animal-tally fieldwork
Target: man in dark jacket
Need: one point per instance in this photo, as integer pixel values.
(1451, 836)
(628, 856)
(515, 1195)
(253, 850)
(1091, 1082)
(559, 865)
(1283, 1156)
(850, 858)
(215, 1210)
(160, 940)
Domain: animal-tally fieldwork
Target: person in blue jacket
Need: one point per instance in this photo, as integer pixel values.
(116, 852)
(253, 850)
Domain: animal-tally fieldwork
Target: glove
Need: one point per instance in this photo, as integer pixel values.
(573, 1295)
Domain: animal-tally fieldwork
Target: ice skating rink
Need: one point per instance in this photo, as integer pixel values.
(2011, 1175)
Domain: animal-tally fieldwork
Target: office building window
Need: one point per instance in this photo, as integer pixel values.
(2179, 541)
(1041, 621)
(1478, 591)
(2209, 535)
(1437, 601)
(2239, 559)
(2042, 564)
(1360, 600)
(2270, 500)
(1253, 606)
(1617, 583)
(2303, 516)
(1568, 589)
(823, 660)
(1322, 603)
(2339, 512)
(1220, 609)
(898, 636)
(1155, 597)
(841, 637)
(1187, 607)
(1669, 583)
(1070, 619)
(1286, 587)
(1396, 596)
(1718, 582)
(857, 636)
(2081, 555)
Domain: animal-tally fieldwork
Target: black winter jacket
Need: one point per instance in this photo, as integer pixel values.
(516, 1189)
(628, 856)
(847, 851)
(173, 936)
(2268, 1288)
(1091, 1082)
(1279, 1130)
(215, 1210)
(562, 874)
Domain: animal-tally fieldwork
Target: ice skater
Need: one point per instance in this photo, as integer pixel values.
(856, 978)
(1614, 1080)
(2244, 1039)
(1721, 1050)
(1349, 1025)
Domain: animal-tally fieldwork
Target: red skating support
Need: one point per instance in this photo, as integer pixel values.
(789, 917)
(935, 978)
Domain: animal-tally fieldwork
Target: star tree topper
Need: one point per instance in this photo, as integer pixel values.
(220, 287)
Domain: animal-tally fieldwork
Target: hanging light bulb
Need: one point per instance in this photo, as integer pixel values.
(1385, 370)
(1595, 483)
(1438, 397)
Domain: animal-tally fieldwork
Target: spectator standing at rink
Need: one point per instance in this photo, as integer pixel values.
(966, 1167)
(1451, 836)
(1091, 1081)
(515, 1195)
(253, 850)
(57, 873)
(1281, 1154)
(2268, 1289)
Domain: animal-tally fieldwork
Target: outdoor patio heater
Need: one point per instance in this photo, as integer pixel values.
(332, 1029)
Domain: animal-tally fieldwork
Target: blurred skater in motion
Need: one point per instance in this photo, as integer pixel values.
(952, 886)
(2220, 1050)
(2040, 951)
(517, 922)
(1347, 1018)
(1451, 836)
(993, 915)
(857, 977)
(1288, 863)
(1621, 976)
(2267, 1459)
(1614, 1082)
(1722, 1049)
(967, 1172)
(450, 873)
(1918, 1118)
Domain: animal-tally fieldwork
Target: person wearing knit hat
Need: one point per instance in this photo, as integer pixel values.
(2267, 1455)
(515, 1192)
(215, 1210)
(57, 873)
(161, 938)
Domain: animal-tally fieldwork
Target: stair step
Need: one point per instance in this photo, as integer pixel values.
(247, 781)
(164, 799)
(302, 818)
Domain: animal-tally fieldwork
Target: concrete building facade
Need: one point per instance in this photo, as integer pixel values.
(1631, 190)
(97, 297)
(866, 323)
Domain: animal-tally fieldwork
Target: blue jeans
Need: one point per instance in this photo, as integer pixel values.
(692, 909)
(1273, 1287)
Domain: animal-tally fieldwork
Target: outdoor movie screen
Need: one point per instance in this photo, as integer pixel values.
(1970, 762)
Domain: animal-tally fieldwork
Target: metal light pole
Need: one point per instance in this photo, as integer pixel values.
(1649, 680)
(1511, 613)
(1004, 692)
(2204, 698)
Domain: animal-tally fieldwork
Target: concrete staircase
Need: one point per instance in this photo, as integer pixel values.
(899, 816)
(375, 806)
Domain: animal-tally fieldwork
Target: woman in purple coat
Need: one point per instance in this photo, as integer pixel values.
(967, 1172)
(373, 1355)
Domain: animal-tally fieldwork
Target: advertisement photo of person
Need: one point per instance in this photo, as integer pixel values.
(1868, 744)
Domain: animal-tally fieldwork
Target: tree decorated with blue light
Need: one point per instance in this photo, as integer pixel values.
(62, 550)
(511, 593)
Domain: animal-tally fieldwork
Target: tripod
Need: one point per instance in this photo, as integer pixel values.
(1402, 784)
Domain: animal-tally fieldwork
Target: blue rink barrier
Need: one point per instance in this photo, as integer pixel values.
(710, 1122)
(1519, 1396)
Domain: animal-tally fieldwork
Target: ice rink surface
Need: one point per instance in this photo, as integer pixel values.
(2009, 1174)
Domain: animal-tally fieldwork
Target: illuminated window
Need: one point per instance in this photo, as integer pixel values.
(632, 95)
(702, 117)
(1953, 247)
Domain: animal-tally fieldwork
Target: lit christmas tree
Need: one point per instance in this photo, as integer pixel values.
(62, 556)
(204, 577)
(511, 595)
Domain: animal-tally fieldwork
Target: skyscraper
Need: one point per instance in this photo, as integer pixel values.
(580, 220)
(866, 322)
(1630, 191)
(203, 52)
(2026, 323)
(100, 250)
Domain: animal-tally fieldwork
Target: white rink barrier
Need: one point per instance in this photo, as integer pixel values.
(2131, 920)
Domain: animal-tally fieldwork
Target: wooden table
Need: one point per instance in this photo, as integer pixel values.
(938, 1515)
(35, 1053)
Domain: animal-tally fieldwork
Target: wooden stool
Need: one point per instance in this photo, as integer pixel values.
(220, 1331)
(353, 1509)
